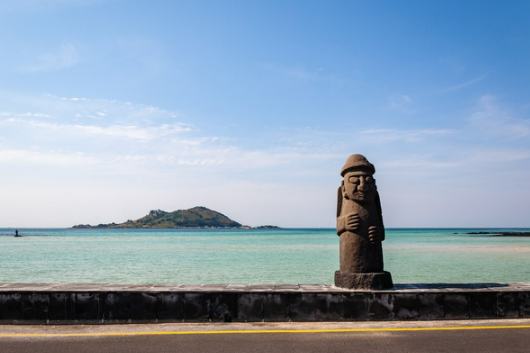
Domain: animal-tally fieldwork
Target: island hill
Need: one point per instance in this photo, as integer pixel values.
(196, 217)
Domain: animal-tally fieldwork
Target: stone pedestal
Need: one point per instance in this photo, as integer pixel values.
(370, 280)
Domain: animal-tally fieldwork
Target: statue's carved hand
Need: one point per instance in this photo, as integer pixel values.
(353, 222)
(375, 234)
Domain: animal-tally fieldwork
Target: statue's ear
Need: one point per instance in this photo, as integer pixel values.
(339, 201)
(343, 189)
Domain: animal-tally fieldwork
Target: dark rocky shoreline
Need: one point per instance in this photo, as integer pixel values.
(502, 234)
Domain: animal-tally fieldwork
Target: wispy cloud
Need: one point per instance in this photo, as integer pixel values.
(125, 131)
(297, 72)
(401, 102)
(301, 73)
(113, 132)
(464, 84)
(419, 161)
(46, 158)
(452, 64)
(493, 119)
(501, 155)
(105, 130)
(148, 53)
(103, 149)
(388, 135)
(84, 110)
(66, 55)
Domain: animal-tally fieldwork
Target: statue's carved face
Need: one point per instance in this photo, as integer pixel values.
(359, 186)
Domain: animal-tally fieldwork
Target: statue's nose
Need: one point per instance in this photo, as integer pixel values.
(362, 183)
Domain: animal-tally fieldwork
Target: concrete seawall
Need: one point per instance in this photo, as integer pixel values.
(110, 304)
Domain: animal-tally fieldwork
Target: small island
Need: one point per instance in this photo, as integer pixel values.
(196, 217)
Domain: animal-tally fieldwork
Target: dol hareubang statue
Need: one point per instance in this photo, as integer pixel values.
(360, 227)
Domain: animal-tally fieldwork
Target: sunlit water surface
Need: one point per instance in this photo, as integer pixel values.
(251, 256)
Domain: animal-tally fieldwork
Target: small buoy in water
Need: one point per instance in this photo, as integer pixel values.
(16, 233)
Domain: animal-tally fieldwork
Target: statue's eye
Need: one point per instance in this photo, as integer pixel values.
(353, 180)
(369, 179)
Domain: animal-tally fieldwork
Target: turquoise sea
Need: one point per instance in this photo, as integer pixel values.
(300, 256)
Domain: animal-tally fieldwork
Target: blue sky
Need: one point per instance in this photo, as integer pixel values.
(111, 108)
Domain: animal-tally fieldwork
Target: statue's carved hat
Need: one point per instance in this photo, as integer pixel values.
(357, 162)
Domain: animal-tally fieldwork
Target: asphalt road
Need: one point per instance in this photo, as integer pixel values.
(446, 336)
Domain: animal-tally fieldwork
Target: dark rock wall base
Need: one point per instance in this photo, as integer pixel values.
(324, 304)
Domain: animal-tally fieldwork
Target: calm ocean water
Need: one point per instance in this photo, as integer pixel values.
(251, 256)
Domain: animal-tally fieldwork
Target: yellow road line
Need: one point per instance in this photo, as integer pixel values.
(151, 333)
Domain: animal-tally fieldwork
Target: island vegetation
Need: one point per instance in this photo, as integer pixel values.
(196, 217)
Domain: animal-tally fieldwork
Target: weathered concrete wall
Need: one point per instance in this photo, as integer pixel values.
(110, 304)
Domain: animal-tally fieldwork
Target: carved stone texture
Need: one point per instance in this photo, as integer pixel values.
(360, 227)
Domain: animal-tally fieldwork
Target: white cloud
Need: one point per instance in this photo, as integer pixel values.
(464, 84)
(147, 52)
(132, 132)
(388, 135)
(493, 119)
(47, 158)
(420, 162)
(452, 65)
(134, 135)
(123, 131)
(65, 56)
(135, 152)
(501, 155)
(301, 73)
(402, 102)
(107, 132)
(81, 109)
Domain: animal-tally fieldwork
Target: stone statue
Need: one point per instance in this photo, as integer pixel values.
(360, 227)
